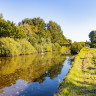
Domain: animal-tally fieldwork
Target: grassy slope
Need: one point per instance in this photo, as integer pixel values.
(81, 80)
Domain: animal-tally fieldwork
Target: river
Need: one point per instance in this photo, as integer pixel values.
(33, 75)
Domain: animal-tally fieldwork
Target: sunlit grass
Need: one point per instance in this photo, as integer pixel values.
(81, 80)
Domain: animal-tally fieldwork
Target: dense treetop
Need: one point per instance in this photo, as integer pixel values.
(50, 30)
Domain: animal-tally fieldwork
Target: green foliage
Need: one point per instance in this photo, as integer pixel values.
(64, 50)
(47, 47)
(76, 47)
(58, 47)
(26, 47)
(56, 33)
(8, 29)
(34, 39)
(69, 41)
(5, 28)
(35, 21)
(41, 33)
(44, 45)
(44, 34)
(93, 45)
(10, 47)
(92, 36)
(20, 32)
(54, 48)
(44, 37)
(39, 48)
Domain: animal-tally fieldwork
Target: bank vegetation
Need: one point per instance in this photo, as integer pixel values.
(30, 36)
(81, 79)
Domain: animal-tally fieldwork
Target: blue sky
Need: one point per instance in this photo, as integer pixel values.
(76, 17)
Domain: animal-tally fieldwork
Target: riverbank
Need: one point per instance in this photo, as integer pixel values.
(81, 80)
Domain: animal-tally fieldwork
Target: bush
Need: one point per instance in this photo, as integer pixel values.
(44, 45)
(64, 50)
(38, 47)
(54, 47)
(9, 47)
(43, 48)
(26, 47)
(47, 48)
(76, 47)
(93, 45)
(58, 47)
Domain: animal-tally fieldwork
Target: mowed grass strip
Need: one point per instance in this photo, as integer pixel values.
(81, 79)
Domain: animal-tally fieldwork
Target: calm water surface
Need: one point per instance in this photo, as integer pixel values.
(32, 75)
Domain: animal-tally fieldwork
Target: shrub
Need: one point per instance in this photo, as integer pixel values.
(26, 47)
(9, 47)
(93, 45)
(64, 50)
(76, 47)
(44, 45)
(54, 47)
(43, 48)
(47, 47)
(38, 47)
(58, 47)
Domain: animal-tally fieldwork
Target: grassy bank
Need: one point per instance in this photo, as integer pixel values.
(81, 80)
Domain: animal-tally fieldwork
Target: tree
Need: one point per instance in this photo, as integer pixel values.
(5, 28)
(9, 29)
(69, 41)
(56, 33)
(40, 23)
(92, 36)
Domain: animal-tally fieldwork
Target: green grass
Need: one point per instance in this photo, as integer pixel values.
(81, 80)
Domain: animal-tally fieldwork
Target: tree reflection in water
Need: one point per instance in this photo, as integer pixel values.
(31, 68)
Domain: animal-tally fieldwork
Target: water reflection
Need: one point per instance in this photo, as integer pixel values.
(29, 68)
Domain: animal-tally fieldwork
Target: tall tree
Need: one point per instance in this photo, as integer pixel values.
(9, 29)
(56, 32)
(5, 28)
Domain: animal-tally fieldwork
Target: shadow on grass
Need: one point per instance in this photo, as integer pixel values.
(81, 88)
(86, 88)
(91, 68)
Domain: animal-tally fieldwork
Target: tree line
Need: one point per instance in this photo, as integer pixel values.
(29, 36)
